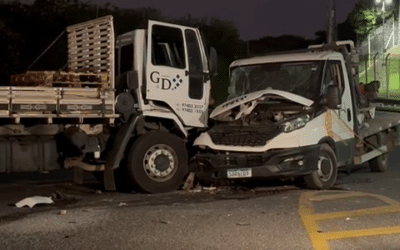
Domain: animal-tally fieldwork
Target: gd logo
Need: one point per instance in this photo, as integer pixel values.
(165, 82)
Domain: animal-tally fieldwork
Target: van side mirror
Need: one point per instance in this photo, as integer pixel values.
(213, 63)
(332, 98)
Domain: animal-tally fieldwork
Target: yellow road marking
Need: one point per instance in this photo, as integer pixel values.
(305, 210)
(361, 233)
(320, 239)
(360, 212)
(335, 196)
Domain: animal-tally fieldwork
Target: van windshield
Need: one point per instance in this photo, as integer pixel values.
(301, 78)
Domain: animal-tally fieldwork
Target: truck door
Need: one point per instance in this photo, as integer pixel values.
(341, 119)
(177, 71)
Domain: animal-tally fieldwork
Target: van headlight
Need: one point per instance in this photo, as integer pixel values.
(294, 124)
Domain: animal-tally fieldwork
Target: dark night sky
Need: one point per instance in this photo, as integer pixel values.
(254, 18)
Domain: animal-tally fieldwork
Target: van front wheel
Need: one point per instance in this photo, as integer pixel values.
(325, 176)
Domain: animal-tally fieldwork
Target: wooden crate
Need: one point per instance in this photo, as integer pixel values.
(91, 47)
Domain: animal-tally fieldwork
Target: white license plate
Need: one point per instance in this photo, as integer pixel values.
(239, 173)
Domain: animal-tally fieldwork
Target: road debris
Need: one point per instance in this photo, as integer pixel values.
(121, 204)
(106, 200)
(197, 189)
(348, 218)
(98, 192)
(315, 199)
(59, 195)
(189, 182)
(32, 201)
(63, 212)
(165, 221)
(243, 224)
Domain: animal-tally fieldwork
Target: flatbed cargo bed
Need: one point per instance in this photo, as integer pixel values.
(48, 103)
(383, 120)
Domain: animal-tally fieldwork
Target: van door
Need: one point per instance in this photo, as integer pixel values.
(177, 71)
(341, 119)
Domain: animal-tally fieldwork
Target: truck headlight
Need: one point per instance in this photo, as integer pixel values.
(295, 123)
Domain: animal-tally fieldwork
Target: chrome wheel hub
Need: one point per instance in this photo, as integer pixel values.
(160, 162)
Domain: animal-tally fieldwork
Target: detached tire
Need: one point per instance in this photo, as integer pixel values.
(380, 163)
(325, 176)
(157, 162)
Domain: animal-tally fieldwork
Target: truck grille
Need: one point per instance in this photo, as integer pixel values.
(239, 138)
(243, 135)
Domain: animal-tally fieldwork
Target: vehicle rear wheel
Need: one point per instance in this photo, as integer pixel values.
(157, 162)
(380, 163)
(325, 176)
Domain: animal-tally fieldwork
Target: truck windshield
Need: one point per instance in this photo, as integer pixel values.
(301, 78)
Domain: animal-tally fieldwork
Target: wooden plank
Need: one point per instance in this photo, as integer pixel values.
(90, 60)
(90, 30)
(91, 44)
(97, 51)
(87, 66)
(98, 21)
(84, 36)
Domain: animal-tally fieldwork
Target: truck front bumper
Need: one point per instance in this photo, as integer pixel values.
(273, 163)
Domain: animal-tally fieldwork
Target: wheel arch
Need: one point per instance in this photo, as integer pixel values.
(163, 122)
(330, 142)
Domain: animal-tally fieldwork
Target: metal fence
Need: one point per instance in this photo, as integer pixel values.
(380, 58)
(384, 68)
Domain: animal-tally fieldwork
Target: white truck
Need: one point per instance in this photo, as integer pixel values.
(129, 103)
(296, 115)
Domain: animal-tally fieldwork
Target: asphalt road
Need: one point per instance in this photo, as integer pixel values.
(361, 212)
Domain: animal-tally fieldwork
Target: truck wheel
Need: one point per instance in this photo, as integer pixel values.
(157, 162)
(380, 163)
(325, 176)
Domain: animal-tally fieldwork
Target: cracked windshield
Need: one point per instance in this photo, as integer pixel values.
(301, 78)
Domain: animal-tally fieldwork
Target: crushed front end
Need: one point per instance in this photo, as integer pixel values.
(273, 163)
(253, 138)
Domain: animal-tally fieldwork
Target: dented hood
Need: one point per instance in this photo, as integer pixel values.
(258, 95)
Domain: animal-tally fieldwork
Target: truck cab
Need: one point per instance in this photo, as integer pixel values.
(165, 68)
(163, 77)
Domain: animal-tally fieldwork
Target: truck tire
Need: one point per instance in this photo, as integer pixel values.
(325, 176)
(157, 162)
(380, 163)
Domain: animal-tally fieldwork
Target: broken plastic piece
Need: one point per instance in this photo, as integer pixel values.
(32, 201)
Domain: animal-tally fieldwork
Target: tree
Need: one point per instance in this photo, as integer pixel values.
(364, 17)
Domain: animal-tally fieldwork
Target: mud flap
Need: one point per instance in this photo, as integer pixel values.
(115, 155)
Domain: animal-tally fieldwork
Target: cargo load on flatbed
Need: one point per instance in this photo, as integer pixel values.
(85, 90)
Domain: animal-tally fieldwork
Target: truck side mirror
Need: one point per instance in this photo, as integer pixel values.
(213, 63)
(332, 98)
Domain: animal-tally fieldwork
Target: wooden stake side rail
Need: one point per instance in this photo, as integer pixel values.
(51, 103)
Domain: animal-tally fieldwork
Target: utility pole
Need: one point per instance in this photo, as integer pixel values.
(331, 34)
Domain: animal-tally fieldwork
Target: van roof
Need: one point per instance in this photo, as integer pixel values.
(307, 55)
